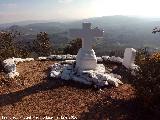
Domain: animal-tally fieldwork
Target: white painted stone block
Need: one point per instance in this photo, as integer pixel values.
(129, 57)
(86, 60)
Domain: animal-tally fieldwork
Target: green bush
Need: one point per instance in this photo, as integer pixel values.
(147, 83)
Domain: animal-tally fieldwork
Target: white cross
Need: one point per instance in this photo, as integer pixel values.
(87, 34)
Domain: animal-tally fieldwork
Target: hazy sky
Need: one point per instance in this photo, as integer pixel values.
(19, 10)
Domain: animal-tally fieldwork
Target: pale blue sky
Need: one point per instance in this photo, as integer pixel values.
(19, 10)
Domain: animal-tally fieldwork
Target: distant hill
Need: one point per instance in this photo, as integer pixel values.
(120, 31)
(51, 27)
(125, 31)
(23, 23)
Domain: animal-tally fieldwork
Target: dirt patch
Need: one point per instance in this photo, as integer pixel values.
(33, 95)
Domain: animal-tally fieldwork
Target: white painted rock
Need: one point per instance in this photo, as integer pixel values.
(58, 57)
(100, 68)
(112, 80)
(105, 58)
(42, 58)
(67, 73)
(12, 75)
(74, 57)
(69, 57)
(112, 59)
(116, 59)
(10, 66)
(52, 57)
(17, 60)
(8, 61)
(99, 59)
(55, 74)
(63, 57)
(56, 70)
(68, 61)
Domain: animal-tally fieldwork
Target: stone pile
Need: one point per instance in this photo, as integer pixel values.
(67, 70)
(127, 61)
(129, 58)
(58, 57)
(98, 77)
(73, 57)
(10, 66)
(112, 59)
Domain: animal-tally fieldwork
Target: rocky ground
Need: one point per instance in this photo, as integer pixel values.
(36, 96)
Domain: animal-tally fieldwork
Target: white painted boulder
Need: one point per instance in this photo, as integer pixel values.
(10, 66)
(129, 57)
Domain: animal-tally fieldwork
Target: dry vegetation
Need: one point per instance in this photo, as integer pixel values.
(34, 94)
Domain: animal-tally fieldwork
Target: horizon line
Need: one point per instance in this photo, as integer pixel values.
(71, 20)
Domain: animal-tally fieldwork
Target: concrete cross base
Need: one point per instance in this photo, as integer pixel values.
(97, 77)
(86, 60)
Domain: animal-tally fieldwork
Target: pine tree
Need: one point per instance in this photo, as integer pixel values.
(7, 47)
(42, 45)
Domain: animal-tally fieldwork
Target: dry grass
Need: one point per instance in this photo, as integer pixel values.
(34, 94)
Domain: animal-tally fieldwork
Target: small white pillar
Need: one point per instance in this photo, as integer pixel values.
(129, 57)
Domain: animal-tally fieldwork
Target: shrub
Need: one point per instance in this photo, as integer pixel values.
(148, 79)
(9, 47)
(73, 46)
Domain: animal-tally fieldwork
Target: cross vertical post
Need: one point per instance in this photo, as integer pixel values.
(86, 58)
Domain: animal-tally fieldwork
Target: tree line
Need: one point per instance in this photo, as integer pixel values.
(41, 46)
